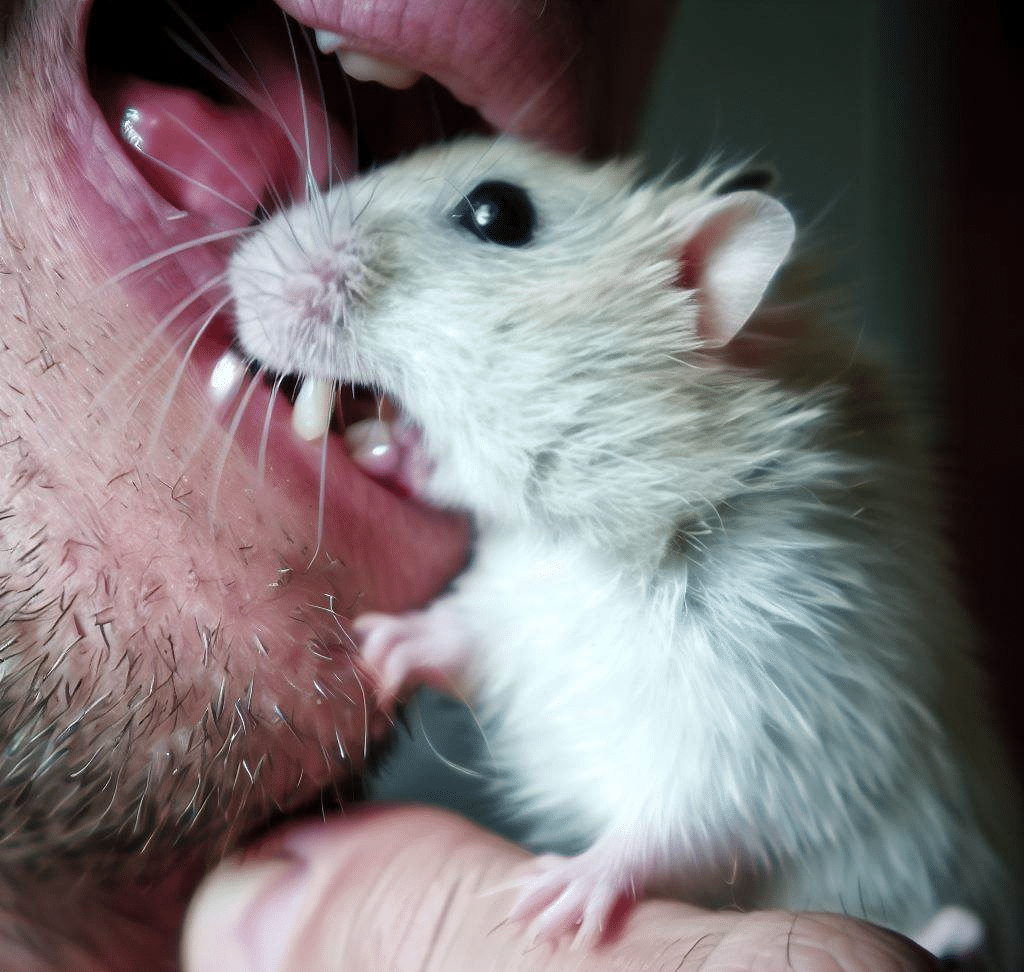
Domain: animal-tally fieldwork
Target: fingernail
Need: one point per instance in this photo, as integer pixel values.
(243, 917)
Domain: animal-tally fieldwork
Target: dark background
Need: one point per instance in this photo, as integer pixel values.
(896, 128)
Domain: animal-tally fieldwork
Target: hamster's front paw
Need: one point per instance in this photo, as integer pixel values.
(419, 648)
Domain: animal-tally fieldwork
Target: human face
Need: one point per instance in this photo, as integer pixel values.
(177, 570)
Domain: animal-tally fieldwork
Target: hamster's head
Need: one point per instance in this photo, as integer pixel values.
(551, 327)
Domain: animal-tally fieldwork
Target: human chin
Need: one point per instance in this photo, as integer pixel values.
(190, 563)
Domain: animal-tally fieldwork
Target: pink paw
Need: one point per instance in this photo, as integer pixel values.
(406, 650)
(396, 648)
(573, 895)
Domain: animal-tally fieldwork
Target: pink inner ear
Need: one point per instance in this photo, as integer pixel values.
(733, 248)
(692, 259)
(692, 263)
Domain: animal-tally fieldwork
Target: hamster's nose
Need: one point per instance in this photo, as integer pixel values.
(328, 286)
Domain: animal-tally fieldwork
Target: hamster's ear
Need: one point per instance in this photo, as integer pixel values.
(733, 246)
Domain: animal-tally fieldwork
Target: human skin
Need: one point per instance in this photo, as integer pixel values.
(392, 887)
(174, 663)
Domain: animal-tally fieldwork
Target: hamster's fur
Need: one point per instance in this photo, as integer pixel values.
(708, 624)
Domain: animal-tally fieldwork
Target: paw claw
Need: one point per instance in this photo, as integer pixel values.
(568, 895)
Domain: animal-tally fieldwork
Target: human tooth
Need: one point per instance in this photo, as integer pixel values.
(327, 41)
(366, 67)
(314, 406)
(226, 376)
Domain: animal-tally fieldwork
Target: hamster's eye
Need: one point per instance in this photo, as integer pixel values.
(498, 212)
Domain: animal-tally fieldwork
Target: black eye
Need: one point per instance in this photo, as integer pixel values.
(498, 212)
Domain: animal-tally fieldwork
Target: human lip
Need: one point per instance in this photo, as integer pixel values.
(494, 58)
(503, 59)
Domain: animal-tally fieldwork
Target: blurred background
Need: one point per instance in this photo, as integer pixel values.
(894, 127)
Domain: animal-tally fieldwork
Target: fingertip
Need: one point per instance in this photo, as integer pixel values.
(243, 915)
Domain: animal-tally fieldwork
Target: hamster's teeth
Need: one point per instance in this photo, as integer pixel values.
(372, 445)
(313, 409)
(366, 67)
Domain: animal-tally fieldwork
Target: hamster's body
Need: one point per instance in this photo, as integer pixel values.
(708, 620)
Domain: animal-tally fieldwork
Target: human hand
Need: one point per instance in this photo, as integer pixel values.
(395, 887)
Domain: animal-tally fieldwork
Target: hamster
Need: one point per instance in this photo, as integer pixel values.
(708, 622)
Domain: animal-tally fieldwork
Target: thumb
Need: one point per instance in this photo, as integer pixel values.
(399, 887)
(377, 888)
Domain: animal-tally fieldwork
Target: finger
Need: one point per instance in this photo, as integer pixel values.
(390, 887)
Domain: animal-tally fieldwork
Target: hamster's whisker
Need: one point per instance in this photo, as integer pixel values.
(321, 505)
(332, 165)
(229, 440)
(311, 51)
(119, 376)
(480, 731)
(203, 38)
(438, 755)
(353, 130)
(180, 370)
(261, 459)
(430, 95)
(222, 70)
(218, 67)
(330, 203)
(219, 156)
(366, 715)
(172, 350)
(454, 188)
(153, 259)
(369, 199)
(812, 227)
(677, 359)
(300, 245)
(267, 272)
(537, 97)
(306, 158)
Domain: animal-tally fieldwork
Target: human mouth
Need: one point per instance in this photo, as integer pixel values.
(199, 119)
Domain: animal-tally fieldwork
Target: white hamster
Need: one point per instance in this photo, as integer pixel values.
(708, 622)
